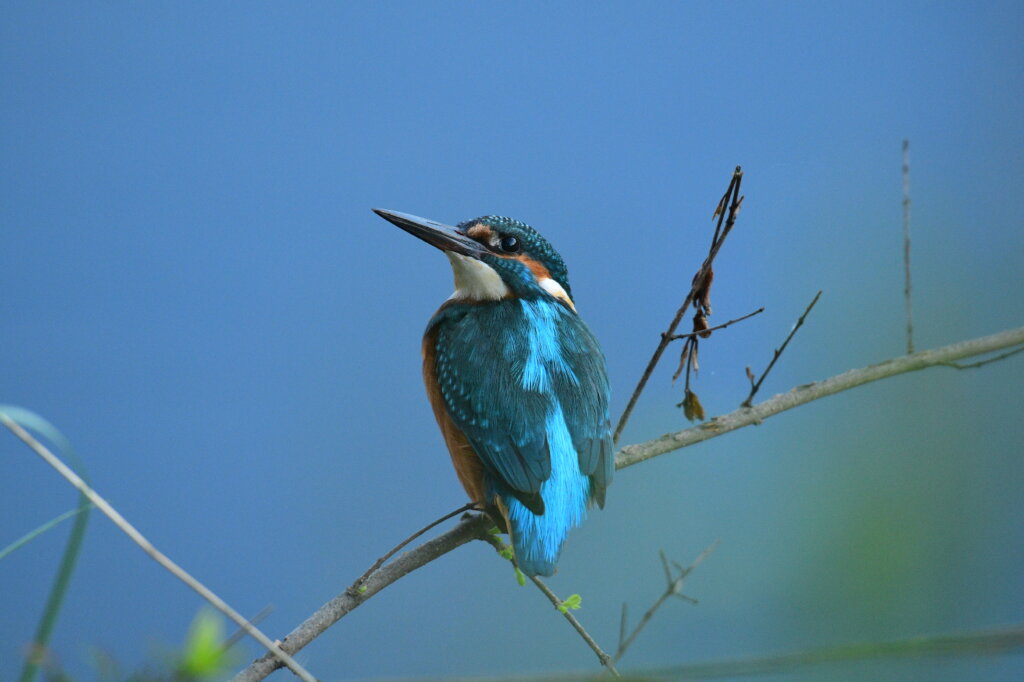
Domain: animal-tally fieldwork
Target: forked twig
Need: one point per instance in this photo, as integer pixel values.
(673, 588)
(755, 385)
(727, 210)
(158, 556)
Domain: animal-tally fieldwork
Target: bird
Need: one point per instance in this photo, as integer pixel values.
(517, 382)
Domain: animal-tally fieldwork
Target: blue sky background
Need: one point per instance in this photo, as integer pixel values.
(195, 291)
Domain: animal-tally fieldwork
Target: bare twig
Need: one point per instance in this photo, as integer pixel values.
(357, 585)
(148, 547)
(717, 327)
(906, 246)
(728, 208)
(673, 588)
(778, 352)
(477, 527)
(606, 660)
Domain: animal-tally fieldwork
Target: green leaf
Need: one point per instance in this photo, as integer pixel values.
(204, 655)
(573, 601)
(520, 577)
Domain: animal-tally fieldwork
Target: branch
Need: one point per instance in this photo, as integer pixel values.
(148, 547)
(755, 386)
(745, 416)
(470, 528)
(475, 528)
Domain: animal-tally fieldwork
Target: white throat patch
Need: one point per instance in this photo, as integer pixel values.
(475, 280)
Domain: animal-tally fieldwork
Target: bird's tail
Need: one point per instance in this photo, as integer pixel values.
(528, 555)
(537, 539)
(530, 560)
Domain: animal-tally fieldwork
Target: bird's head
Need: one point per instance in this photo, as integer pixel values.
(493, 257)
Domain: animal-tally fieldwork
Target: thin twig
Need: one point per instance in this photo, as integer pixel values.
(161, 558)
(623, 619)
(699, 282)
(906, 246)
(982, 363)
(673, 588)
(689, 350)
(477, 527)
(778, 352)
(357, 585)
(715, 328)
(605, 659)
(506, 552)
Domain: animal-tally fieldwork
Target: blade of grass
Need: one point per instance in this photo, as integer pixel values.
(30, 420)
(39, 530)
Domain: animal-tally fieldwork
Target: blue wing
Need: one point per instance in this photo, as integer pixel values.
(503, 368)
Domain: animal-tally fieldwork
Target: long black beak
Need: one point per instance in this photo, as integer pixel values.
(444, 237)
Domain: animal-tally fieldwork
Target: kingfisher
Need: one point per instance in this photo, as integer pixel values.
(517, 383)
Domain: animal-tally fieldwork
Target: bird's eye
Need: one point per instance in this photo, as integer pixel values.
(509, 244)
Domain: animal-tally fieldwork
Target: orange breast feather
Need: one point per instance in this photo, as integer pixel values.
(465, 460)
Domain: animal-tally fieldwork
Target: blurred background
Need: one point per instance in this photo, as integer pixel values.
(195, 291)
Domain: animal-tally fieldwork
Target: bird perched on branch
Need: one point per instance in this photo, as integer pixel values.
(517, 383)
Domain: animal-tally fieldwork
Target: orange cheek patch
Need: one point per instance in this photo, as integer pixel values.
(536, 267)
